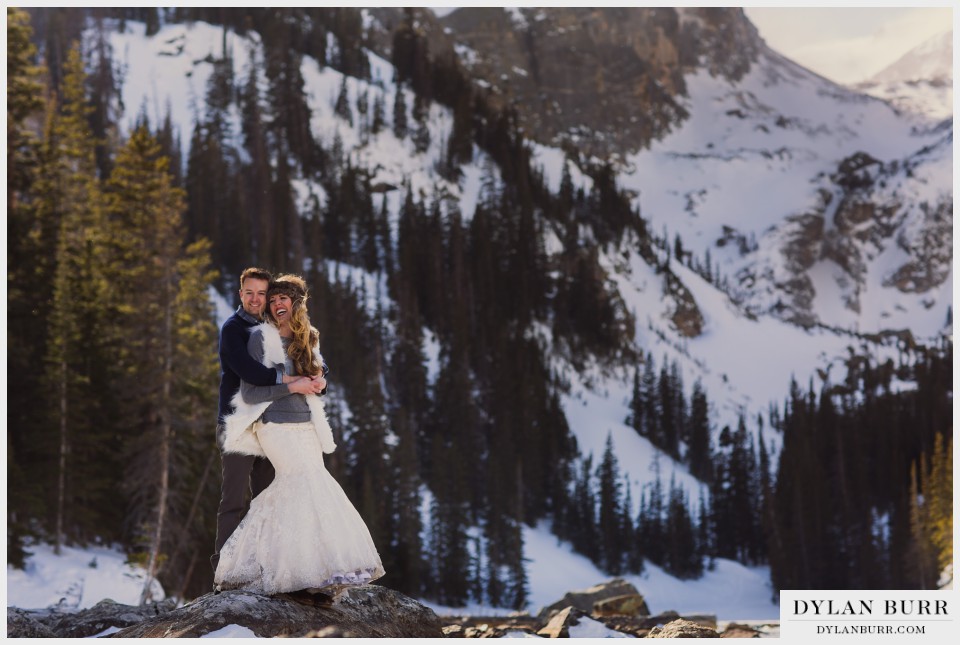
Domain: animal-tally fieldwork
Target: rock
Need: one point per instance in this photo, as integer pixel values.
(638, 626)
(21, 624)
(736, 630)
(89, 622)
(330, 631)
(662, 619)
(625, 605)
(363, 612)
(489, 626)
(707, 620)
(559, 625)
(681, 628)
(453, 631)
(581, 77)
(584, 599)
(686, 316)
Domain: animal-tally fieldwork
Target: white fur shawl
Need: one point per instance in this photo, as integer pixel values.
(241, 434)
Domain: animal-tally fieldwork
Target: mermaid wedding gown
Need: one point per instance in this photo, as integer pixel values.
(302, 532)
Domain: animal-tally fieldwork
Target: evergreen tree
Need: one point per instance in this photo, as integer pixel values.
(30, 247)
(939, 490)
(421, 134)
(613, 542)
(163, 343)
(633, 555)
(378, 119)
(460, 142)
(649, 402)
(922, 556)
(635, 416)
(76, 355)
(400, 113)
(24, 92)
(931, 515)
(341, 106)
(289, 119)
(253, 223)
(585, 533)
(682, 556)
(650, 524)
(698, 451)
(667, 437)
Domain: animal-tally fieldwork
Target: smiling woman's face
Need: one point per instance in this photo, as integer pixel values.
(280, 307)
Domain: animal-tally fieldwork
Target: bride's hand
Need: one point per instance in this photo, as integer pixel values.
(303, 386)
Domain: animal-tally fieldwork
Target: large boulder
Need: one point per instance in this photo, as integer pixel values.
(584, 599)
(362, 612)
(23, 624)
(631, 604)
(83, 623)
(681, 628)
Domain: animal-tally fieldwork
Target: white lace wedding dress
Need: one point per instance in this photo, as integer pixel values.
(302, 532)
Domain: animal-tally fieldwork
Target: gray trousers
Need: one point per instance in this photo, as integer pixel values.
(241, 473)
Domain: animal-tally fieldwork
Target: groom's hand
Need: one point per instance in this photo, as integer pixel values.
(307, 385)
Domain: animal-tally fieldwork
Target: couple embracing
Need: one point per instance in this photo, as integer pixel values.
(301, 533)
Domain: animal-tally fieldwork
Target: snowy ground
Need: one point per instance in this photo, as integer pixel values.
(76, 579)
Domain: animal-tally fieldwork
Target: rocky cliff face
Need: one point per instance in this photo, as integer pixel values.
(604, 80)
(601, 81)
(877, 222)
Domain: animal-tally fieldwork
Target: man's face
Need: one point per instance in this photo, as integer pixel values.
(253, 296)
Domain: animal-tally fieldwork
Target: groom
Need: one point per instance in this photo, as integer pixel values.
(236, 364)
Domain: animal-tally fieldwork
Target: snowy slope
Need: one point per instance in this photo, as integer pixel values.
(759, 152)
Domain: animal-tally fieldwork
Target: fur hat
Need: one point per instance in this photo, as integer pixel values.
(288, 285)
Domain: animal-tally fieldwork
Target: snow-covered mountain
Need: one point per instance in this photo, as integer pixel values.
(920, 82)
(816, 201)
(826, 215)
(818, 205)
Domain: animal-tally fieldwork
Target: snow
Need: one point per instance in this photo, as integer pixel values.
(231, 631)
(731, 591)
(76, 579)
(221, 307)
(590, 628)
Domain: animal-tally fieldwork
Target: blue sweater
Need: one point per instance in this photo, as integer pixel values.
(236, 364)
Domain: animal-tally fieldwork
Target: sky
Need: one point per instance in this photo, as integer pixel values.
(844, 44)
(848, 44)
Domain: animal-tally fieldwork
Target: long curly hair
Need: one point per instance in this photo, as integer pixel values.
(305, 336)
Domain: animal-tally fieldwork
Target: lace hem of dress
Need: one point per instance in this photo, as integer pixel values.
(348, 579)
(333, 585)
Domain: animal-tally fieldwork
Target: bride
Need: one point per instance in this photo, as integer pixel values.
(302, 532)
